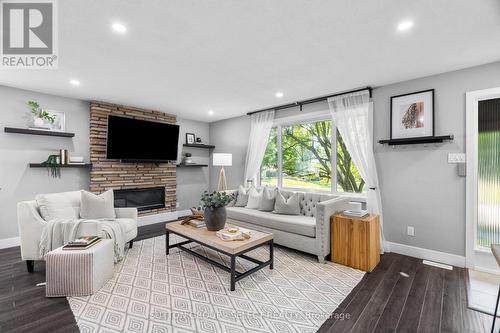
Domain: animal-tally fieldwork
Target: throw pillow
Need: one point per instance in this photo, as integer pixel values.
(267, 200)
(288, 206)
(254, 197)
(242, 198)
(64, 205)
(97, 206)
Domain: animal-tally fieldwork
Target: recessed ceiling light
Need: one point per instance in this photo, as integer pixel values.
(405, 25)
(118, 27)
(210, 112)
(74, 82)
(279, 94)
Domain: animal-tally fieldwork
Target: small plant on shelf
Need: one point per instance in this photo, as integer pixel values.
(53, 166)
(39, 114)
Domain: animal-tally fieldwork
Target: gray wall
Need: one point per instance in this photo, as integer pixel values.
(17, 181)
(191, 182)
(230, 136)
(419, 188)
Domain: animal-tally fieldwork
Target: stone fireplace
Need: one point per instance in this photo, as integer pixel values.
(130, 181)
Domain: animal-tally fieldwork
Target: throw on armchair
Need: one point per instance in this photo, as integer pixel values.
(32, 217)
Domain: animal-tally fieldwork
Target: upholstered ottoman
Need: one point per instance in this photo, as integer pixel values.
(78, 272)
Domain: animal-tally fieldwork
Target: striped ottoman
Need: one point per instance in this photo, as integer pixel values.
(79, 272)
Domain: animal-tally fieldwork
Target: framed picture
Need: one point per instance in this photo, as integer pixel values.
(190, 138)
(59, 123)
(412, 115)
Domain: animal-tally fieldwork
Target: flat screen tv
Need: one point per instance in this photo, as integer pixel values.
(141, 141)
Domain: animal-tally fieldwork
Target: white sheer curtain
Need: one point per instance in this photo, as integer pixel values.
(261, 125)
(351, 115)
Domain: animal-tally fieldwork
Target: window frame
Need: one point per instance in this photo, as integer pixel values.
(312, 117)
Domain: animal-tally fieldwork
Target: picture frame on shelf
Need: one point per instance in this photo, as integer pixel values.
(59, 123)
(190, 138)
(412, 115)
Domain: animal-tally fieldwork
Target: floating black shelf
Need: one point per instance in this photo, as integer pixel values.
(37, 132)
(196, 145)
(192, 165)
(42, 165)
(415, 141)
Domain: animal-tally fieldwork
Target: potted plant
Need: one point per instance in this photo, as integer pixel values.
(214, 205)
(40, 115)
(53, 166)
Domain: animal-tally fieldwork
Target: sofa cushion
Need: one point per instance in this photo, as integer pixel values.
(254, 197)
(308, 200)
(64, 205)
(268, 199)
(242, 198)
(97, 206)
(296, 224)
(288, 206)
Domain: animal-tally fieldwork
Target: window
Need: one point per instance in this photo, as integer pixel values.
(300, 156)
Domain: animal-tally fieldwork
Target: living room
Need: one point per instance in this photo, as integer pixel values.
(244, 167)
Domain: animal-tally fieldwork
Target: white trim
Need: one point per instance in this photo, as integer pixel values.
(474, 259)
(162, 217)
(432, 255)
(9, 242)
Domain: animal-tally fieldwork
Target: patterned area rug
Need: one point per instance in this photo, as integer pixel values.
(150, 292)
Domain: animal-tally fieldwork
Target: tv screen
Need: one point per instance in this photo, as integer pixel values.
(141, 140)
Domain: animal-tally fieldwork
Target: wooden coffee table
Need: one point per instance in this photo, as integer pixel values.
(233, 249)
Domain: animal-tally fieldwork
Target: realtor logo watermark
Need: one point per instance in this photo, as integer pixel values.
(29, 34)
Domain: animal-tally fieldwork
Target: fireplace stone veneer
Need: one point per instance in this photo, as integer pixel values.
(113, 174)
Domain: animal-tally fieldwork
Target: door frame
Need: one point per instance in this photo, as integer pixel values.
(477, 259)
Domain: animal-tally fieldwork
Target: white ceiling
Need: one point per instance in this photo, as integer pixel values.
(186, 56)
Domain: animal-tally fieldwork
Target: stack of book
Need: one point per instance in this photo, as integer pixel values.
(82, 243)
(356, 213)
(197, 223)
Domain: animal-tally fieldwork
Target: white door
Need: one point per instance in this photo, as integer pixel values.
(483, 178)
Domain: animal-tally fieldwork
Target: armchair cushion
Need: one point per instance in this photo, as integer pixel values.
(64, 205)
(97, 206)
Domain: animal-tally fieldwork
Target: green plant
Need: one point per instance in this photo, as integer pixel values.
(38, 112)
(53, 167)
(215, 199)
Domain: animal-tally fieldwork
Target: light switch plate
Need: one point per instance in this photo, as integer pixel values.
(456, 158)
(411, 231)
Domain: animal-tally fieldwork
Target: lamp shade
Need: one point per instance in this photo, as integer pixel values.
(220, 159)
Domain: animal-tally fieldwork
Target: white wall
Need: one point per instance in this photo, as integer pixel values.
(418, 187)
(18, 182)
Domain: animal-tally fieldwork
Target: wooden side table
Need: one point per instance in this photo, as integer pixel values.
(356, 241)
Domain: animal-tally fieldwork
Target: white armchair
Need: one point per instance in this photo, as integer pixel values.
(31, 225)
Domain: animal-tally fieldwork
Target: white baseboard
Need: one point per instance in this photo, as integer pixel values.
(432, 255)
(162, 217)
(9, 242)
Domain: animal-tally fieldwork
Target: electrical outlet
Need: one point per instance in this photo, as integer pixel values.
(177, 205)
(411, 231)
(456, 158)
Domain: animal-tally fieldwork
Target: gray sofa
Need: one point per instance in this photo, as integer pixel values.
(308, 232)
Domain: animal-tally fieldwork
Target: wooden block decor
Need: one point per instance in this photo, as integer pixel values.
(112, 174)
(356, 242)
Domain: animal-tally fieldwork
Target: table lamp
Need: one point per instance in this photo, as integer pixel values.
(222, 160)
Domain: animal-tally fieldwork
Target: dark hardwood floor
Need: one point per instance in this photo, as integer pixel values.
(429, 300)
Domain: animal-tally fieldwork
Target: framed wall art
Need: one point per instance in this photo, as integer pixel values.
(412, 115)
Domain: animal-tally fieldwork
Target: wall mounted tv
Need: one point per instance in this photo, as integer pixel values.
(133, 140)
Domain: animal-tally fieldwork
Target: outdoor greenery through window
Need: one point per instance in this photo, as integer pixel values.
(306, 159)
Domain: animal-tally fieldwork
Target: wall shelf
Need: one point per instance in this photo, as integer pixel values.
(197, 145)
(43, 165)
(192, 165)
(415, 141)
(37, 132)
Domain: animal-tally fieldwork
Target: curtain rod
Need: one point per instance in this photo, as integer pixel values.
(310, 101)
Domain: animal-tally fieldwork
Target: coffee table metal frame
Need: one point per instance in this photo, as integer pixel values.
(235, 275)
